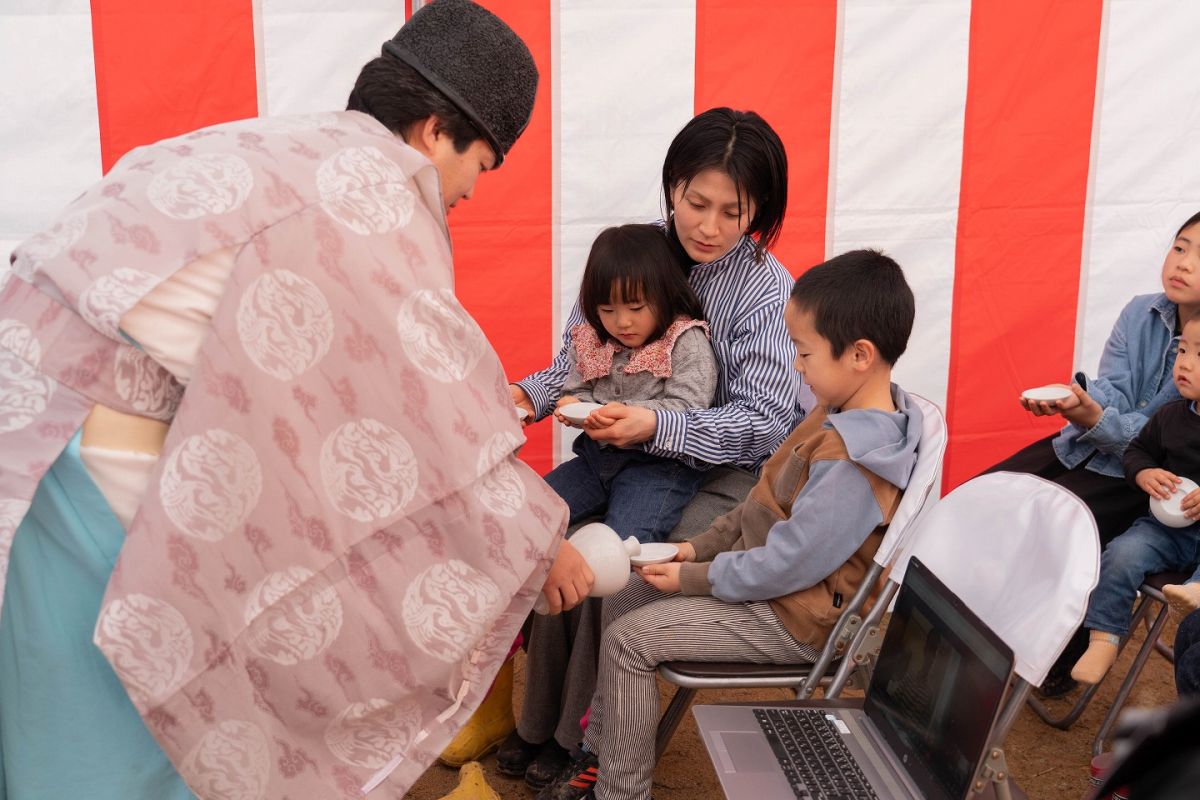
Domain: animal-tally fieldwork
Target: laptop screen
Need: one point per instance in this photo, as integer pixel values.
(937, 686)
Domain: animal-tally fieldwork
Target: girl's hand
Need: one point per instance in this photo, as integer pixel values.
(1159, 483)
(601, 418)
(687, 552)
(565, 400)
(664, 577)
(623, 425)
(521, 400)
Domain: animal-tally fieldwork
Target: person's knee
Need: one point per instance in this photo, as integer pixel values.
(1124, 556)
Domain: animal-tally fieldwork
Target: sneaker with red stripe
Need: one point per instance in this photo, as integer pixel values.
(575, 782)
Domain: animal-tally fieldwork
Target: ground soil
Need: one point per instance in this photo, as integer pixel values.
(1047, 763)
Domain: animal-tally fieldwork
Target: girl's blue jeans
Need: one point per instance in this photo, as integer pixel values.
(637, 494)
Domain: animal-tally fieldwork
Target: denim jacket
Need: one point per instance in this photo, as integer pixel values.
(1134, 382)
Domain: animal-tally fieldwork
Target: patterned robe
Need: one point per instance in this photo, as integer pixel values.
(338, 544)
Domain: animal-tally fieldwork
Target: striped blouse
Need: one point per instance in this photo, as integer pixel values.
(759, 395)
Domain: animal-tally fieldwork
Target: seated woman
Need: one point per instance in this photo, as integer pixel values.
(725, 186)
(1104, 414)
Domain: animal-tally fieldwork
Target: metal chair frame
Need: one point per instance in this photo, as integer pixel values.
(1151, 611)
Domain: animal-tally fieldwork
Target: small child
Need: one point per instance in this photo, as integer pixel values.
(644, 344)
(766, 583)
(1167, 447)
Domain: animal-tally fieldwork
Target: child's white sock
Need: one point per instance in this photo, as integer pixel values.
(1099, 657)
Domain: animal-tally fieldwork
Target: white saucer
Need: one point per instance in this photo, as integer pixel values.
(1167, 511)
(1047, 394)
(578, 412)
(521, 413)
(655, 553)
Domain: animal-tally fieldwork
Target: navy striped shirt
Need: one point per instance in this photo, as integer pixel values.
(759, 395)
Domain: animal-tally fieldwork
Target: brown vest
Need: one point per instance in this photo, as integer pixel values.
(808, 614)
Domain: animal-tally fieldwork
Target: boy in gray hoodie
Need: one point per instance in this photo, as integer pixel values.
(767, 581)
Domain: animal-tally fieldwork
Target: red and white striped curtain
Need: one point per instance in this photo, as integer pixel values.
(1026, 161)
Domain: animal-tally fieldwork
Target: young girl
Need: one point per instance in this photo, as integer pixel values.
(643, 344)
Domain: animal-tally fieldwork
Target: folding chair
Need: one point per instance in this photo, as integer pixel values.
(1151, 602)
(1023, 554)
(692, 676)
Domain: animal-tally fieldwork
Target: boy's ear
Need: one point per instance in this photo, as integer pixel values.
(865, 354)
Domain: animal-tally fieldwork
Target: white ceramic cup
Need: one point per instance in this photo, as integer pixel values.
(1167, 511)
(578, 412)
(1047, 394)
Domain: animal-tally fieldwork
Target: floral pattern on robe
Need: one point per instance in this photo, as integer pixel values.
(339, 543)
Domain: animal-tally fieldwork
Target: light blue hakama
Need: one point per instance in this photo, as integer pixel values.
(67, 728)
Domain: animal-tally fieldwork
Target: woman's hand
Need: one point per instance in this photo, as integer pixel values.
(521, 400)
(664, 577)
(687, 552)
(1158, 483)
(569, 581)
(621, 425)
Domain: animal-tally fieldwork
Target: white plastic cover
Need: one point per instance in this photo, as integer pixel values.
(1022, 553)
(920, 494)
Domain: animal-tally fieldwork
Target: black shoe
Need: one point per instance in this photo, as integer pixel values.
(550, 761)
(515, 755)
(1057, 685)
(576, 782)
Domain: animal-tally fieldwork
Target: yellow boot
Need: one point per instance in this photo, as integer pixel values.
(472, 785)
(488, 726)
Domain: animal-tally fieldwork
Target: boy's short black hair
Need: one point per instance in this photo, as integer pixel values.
(861, 294)
(636, 262)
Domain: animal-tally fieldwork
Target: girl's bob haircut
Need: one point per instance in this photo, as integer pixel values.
(636, 263)
(743, 146)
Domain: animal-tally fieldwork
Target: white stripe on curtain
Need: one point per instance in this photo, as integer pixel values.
(626, 86)
(313, 50)
(1146, 167)
(49, 128)
(898, 160)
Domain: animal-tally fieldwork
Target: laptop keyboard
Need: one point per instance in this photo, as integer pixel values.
(813, 756)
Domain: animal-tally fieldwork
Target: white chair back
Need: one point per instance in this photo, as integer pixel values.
(920, 493)
(1022, 553)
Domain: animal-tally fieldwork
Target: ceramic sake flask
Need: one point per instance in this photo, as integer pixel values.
(606, 555)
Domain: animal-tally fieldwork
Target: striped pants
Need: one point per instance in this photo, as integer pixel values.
(644, 628)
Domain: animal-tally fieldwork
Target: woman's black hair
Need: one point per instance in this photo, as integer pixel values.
(743, 146)
(1192, 220)
(635, 262)
(398, 96)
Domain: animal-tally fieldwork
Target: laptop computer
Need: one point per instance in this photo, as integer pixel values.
(921, 732)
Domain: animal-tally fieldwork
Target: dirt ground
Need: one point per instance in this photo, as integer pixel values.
(1047, 763)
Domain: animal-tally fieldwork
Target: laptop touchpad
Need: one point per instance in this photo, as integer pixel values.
(747, 752)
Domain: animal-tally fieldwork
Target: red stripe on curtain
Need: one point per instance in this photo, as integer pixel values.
(1026, 150)
(502, 235)
(157, 63)
(776, 57)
